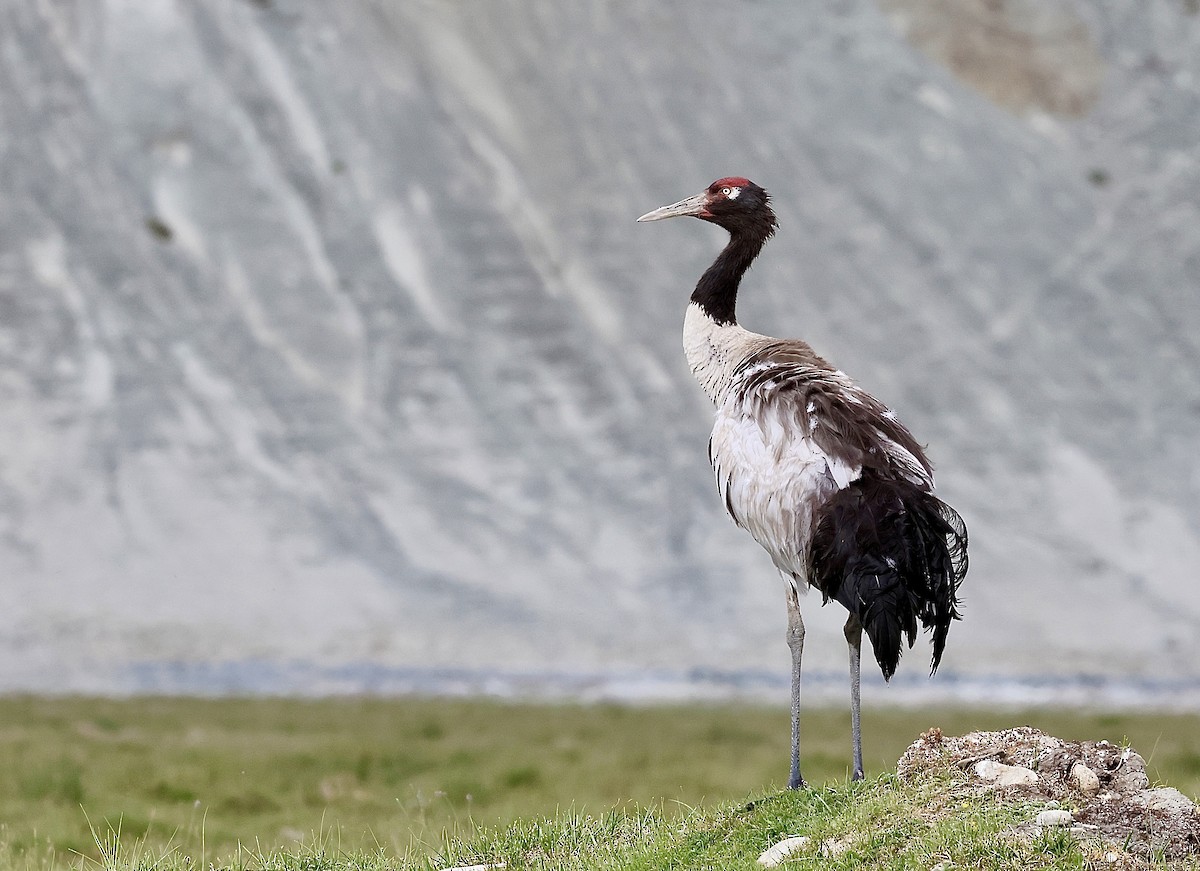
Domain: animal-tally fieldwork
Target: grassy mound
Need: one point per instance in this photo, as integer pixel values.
(883, 822)
(938, 812)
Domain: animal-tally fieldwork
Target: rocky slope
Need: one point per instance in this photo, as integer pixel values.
(327, 339)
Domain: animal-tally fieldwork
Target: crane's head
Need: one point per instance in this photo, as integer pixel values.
(734, 203)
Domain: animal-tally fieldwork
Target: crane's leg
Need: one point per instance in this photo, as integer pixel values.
(795, 639)
(853, 632)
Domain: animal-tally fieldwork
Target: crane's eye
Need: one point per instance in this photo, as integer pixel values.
(726, 191)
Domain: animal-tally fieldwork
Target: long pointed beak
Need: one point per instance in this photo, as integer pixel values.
(696, 205)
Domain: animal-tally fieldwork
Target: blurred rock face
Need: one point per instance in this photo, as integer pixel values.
(327, 336)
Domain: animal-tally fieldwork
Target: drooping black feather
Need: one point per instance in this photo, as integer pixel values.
(894, 555)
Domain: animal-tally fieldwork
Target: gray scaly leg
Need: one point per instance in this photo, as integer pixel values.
(853, 632)
(795, 639)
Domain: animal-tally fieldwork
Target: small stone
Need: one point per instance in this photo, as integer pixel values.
(1166, 799)
(1005, 775)
(1084, 779)
(774, 855)
(1054, 818)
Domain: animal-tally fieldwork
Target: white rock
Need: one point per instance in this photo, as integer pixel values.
(1165, 798)
(1054, 818)
(1084, 779)
(1005, 775)
(774, 855)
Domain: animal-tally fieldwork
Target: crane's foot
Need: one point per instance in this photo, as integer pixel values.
(797, 782)
(857, 775)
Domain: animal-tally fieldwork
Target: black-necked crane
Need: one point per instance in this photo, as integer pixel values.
(817, 470)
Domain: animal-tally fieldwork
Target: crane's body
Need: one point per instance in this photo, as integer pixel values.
(819, 472)
(771, 472)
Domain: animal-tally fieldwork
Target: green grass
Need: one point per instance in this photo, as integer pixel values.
(878, 823)
(234, 781)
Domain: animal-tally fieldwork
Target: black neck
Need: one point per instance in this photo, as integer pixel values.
(716, 292)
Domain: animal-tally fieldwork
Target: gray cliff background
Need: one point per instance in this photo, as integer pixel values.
(331, 357)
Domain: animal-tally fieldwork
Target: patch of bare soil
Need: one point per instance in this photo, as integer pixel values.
(1025, 55)
(1097, 791)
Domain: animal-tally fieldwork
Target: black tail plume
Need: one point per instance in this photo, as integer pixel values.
(893, 555)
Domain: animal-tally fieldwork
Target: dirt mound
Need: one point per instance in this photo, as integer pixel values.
(1097, 791)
